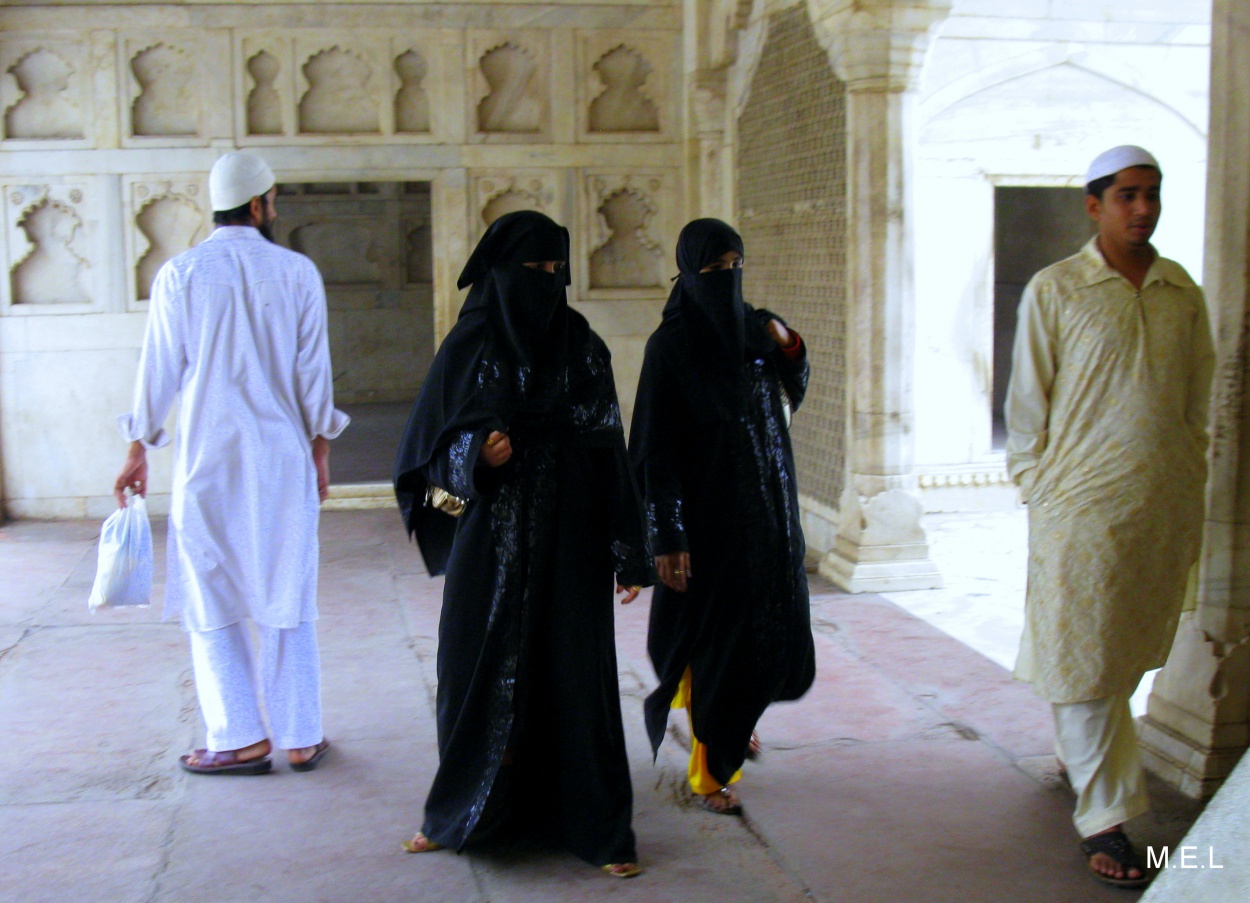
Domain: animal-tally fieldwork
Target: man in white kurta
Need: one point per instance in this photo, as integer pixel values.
(1106, 416)
(237, 329)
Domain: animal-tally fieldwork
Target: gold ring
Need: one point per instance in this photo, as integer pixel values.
(491, 441)
(679, 572)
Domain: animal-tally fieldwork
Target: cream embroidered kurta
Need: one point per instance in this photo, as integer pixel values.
(237, 325)
(1106, 419)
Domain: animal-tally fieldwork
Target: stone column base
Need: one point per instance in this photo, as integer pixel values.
(881, 546)
(1195, 770)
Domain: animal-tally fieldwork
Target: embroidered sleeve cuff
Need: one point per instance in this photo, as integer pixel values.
(666, 530)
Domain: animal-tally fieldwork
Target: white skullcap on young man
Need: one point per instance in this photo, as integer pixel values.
(236, 178)
(1109, 162)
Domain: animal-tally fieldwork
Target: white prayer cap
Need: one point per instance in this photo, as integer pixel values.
(1108, 163)
(236, 178)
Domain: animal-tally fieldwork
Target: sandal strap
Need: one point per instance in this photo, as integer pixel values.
(1116, 845)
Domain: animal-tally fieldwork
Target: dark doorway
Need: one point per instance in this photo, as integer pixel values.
(373, 245)
(1033, 228)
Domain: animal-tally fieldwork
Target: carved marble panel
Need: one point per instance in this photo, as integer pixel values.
(176, 92)
(496, 192)
(628, 233)
(51, 248)
(412, 103)
(164, 217)
(625, 85)
(343, 93)
(46, 89)
(509, 81)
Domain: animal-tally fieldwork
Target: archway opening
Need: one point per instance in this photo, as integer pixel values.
(372, 243)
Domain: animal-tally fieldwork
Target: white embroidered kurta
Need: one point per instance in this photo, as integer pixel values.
(1106, 419)
(237, 325)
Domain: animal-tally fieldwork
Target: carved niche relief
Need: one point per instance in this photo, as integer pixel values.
(46, 109)
(629, 258)
(622, 106)
(512, 103)
(339, 99)
(171, 223)
(51, 271)
(167, 104)
(419, 254)
(264, 103)
(412, 107)
(495, 193)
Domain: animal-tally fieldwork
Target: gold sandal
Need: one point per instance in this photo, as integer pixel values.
(623, 869)
(420, 844)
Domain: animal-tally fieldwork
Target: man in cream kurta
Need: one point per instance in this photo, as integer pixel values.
(1106, 415)
(237, 327)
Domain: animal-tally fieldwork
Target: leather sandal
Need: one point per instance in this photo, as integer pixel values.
(310, 763)
(1115, 845)
(207, 761)
(729, 804)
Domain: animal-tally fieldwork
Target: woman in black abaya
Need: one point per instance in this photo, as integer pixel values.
(518, 418)
(730, 629)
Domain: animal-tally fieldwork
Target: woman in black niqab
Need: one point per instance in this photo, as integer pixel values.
(518, 417)
(730, 629)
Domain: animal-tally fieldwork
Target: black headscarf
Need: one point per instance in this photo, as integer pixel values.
(718, 331)
(502, 366)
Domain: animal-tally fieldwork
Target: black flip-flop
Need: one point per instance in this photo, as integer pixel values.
(225, 762)
(1115, 845)
(311, 762)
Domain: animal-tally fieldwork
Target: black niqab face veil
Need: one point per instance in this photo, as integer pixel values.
(525, 306)
(720, 337)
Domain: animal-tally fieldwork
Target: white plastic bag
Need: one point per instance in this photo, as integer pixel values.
(124, 572)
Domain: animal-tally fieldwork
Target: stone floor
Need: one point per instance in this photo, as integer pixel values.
(914, 770)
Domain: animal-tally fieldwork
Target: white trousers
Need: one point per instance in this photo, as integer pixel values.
(1097, 742)
(289, 681)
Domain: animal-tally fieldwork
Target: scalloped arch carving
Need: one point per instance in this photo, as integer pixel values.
(46, 108)
(339, 99)
(511, 104)
(170, 223)
(166, 105)
(412, 107)
(51, 271)
(629, 258)
(622, 106)
(264, 104)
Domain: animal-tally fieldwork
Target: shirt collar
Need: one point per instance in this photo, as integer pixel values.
(227, 232)
(1095, 269)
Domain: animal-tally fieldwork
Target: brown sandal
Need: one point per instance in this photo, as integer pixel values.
(729, 806)
(207, 761)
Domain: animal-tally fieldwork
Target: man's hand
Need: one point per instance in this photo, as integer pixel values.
(134, 474)
(321, 460)
(496, 450)
(780, 334)
(631, 593)
(674, 570)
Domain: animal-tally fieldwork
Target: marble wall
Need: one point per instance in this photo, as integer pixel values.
(110, 127)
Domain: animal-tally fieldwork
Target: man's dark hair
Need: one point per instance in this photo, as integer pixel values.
(1098, 186)
(239, 216)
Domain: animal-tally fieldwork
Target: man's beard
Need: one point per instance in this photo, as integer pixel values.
(266, 229)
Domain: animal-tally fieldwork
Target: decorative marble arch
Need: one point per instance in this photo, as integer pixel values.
(52, 248)
(163, 216)
(625, 86)
(509, 86)
(628, 230)
(172, 84)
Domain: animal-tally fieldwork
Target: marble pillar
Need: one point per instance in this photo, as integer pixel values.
(1198, 718)
(877, 49)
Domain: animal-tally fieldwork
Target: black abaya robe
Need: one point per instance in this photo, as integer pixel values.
(528, 708)
(717, 473)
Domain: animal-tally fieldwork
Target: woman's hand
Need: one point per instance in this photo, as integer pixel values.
(496, 450)
(631, 593)
(674, 570)
(780, 334)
